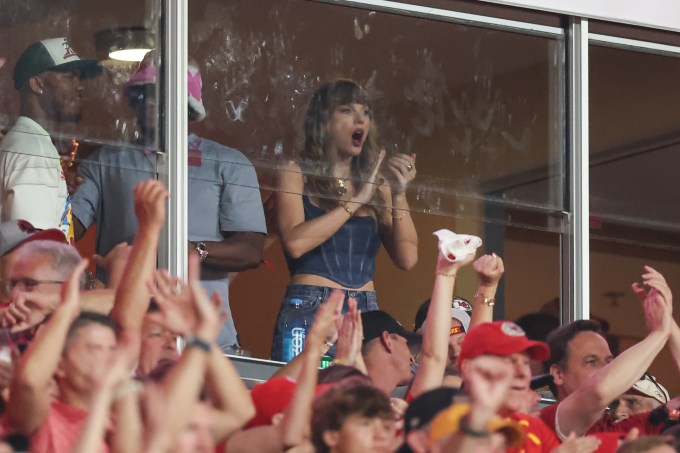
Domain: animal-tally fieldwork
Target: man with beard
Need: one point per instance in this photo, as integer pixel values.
(48, 76)
(226, 218)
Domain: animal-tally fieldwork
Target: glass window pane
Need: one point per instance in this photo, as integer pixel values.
(480, 122)
(483, 118)
(634, 144)
(71, 100)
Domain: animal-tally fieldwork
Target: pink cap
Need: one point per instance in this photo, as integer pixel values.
(147, 73)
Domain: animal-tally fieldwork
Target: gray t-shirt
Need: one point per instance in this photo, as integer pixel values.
(223, 195)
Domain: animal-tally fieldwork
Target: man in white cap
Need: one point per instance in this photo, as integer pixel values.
(226, 218)
(644, 396)
(48, 77)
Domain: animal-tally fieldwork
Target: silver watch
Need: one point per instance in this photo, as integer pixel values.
(202, 250)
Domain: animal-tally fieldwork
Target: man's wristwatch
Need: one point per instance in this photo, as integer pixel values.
(202, 250)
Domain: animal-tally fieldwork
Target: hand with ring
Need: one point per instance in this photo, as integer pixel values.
(403, 167)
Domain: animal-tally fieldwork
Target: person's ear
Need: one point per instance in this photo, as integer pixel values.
(557, 374)
(464, 368)
(331, 438)
(60, 373)
(417, 440)
(386, 341)
(276, 418)
(36, 85)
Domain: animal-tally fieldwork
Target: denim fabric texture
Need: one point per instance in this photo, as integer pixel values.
(347, 257)
(313, 296)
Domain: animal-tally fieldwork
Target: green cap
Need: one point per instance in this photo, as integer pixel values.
(55, 54)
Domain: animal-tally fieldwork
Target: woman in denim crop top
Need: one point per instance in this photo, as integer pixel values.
(335, 206)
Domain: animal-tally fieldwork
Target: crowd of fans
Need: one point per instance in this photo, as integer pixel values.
(86, 368)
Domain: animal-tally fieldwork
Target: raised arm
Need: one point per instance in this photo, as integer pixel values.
(581, 409)
(299, 236)
(489, 379)
(489, 269)
(293, 368)
(183, 383)
(399, 234)
(292, 432)
(435, 347)
(132, 297)
(295, 425)
(350, 337)
(98, 414)
(229, 396)
(654, 279)
(30, 388)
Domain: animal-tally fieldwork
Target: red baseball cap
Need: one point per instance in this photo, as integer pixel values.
(500, 338)
(272, 397)
(15, 233)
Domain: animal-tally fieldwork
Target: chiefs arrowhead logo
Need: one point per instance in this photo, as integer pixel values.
(68, 50)
(512, 329)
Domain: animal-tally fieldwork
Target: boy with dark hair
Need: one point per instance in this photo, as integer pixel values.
(358, 419)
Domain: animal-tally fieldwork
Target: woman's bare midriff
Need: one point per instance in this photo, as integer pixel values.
(316, 280)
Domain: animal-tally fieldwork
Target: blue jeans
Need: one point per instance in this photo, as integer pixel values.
(312, 296)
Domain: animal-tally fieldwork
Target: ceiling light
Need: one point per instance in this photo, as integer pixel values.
(124, 44)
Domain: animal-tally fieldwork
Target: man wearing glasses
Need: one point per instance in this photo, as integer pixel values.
(644, 396)
(35, 280)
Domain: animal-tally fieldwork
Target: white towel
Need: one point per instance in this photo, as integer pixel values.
(455, 247)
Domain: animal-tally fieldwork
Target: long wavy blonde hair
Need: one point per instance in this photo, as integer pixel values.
(313, 157)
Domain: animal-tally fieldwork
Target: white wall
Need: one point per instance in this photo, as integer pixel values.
(662, 14)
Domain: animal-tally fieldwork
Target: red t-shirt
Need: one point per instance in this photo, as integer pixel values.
(606, 423)
(538, 437)
(60, 432)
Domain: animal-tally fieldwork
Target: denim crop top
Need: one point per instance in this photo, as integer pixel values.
(347, 257)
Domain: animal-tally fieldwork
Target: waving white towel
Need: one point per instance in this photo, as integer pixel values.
(455, 247)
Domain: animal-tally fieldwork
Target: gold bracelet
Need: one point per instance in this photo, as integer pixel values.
(488, 301)
(348, 209)
(401, 217)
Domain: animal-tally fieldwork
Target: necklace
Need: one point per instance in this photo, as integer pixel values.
(342, 189)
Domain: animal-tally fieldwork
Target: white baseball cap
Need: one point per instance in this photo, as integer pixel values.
(54, 54)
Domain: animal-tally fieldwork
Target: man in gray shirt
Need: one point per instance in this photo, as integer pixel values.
(226, 219)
